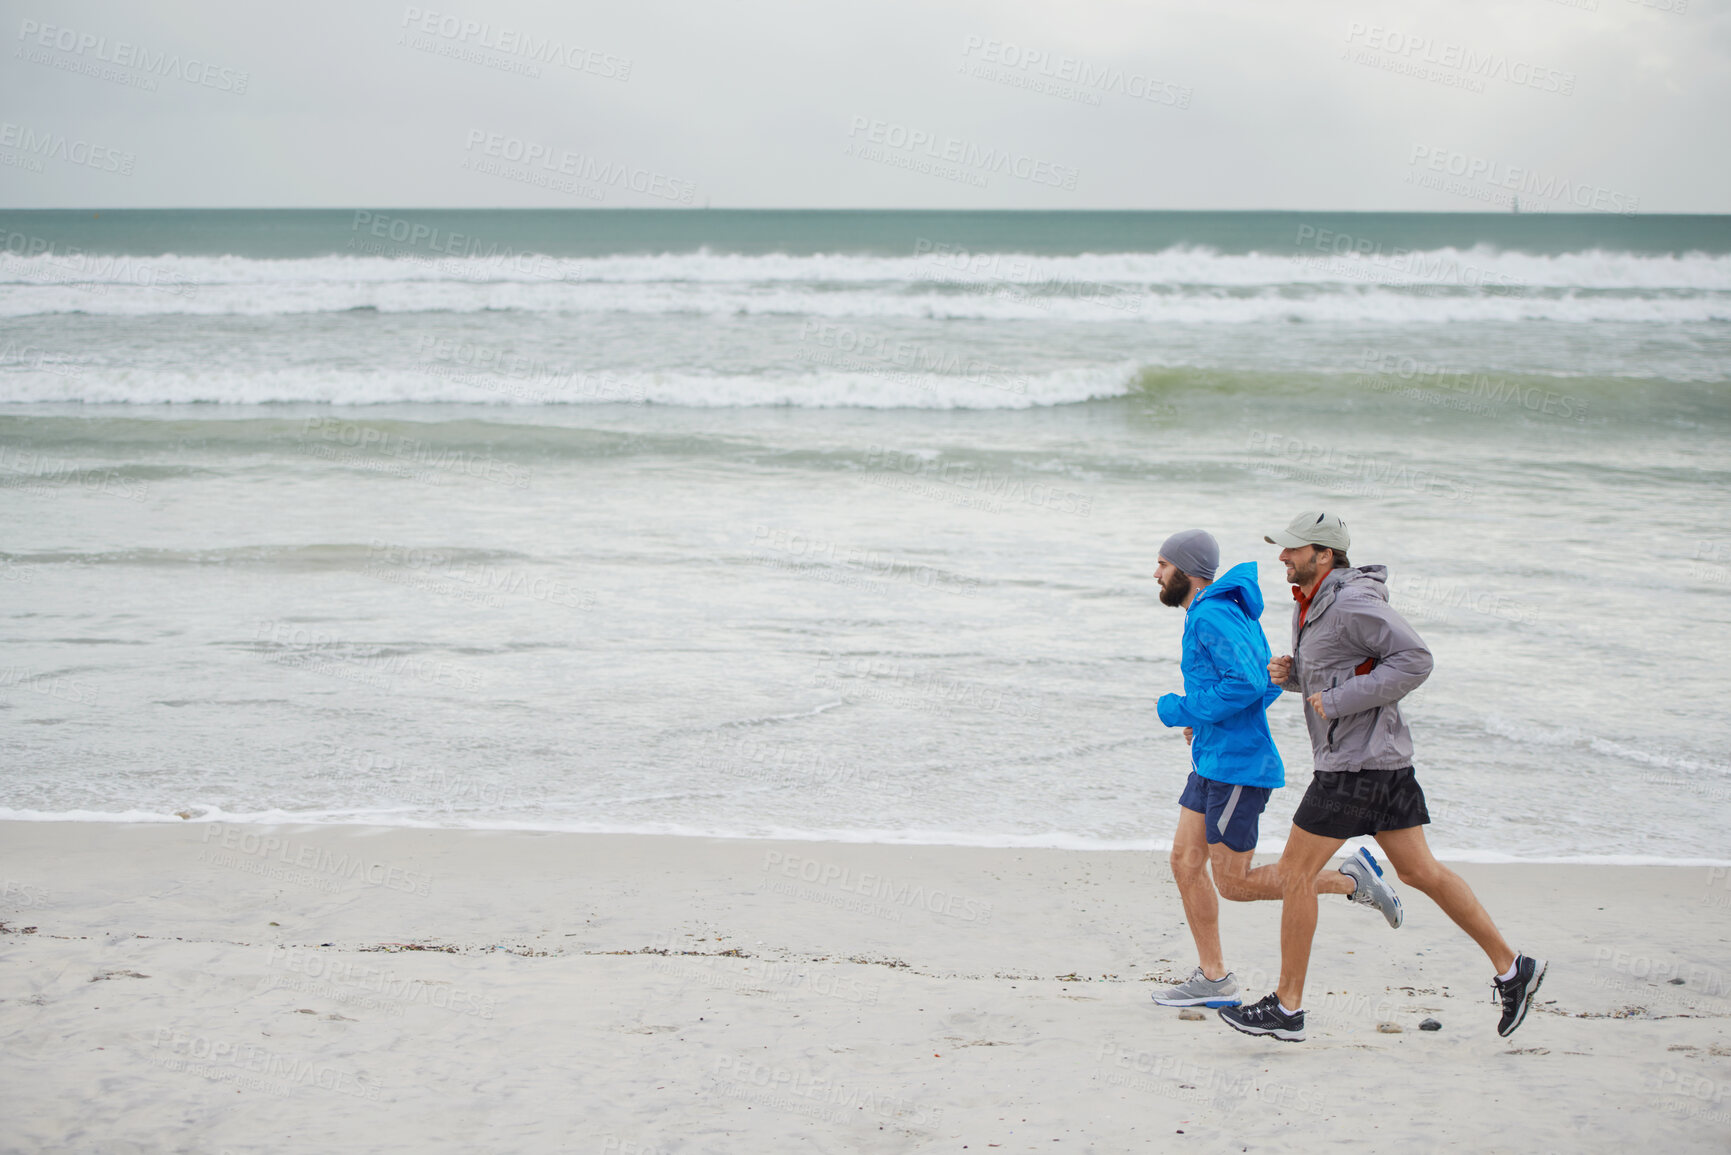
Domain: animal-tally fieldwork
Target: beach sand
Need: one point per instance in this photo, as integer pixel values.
(221, 988)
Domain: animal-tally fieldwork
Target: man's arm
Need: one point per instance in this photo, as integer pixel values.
(1403, 661)
(1242, 681)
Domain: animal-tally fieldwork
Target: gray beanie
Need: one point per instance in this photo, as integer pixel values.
(1194, 551)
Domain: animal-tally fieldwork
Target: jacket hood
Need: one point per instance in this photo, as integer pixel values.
(1366, 579)
(1239, 584)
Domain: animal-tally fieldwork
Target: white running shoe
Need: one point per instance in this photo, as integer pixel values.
(1372, 890)
(1200, 991)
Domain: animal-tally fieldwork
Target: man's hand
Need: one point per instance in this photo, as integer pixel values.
(1315, 701)
(1280, 669)
(1188, 734)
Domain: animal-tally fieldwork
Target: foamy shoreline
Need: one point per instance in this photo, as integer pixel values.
(1269, 846)
(221, 986)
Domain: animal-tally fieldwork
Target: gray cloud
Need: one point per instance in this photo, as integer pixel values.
(743, 103)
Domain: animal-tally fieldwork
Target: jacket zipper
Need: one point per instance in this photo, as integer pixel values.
(1336, 721)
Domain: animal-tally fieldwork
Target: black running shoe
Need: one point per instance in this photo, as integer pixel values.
(1516, 995)
(1265, 1018)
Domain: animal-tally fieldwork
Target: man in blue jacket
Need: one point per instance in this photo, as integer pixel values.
(1235, 765)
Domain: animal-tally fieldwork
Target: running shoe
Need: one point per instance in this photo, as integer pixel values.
(1265, 1018)
(1200, 991)
(1516, 995)
(1372, 889)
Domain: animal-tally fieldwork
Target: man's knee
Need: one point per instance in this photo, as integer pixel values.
(1297, 882)
(1230, 870)
(1187, 863)
(1424, 876)
(1233, 888)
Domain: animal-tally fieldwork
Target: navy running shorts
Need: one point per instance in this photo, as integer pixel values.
(1232, 811)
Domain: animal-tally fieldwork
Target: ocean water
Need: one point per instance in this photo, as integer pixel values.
(841, 525)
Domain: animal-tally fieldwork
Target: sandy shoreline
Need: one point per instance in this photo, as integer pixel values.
(210, 987)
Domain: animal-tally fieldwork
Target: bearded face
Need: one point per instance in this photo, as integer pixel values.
(1302, 565)
(1175, 588)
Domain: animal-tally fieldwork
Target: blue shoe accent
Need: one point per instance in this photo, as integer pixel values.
(1370, 888)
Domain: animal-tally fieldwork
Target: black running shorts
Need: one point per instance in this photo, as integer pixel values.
(1346, 804)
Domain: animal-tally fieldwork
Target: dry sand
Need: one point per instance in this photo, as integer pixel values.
(213, 988)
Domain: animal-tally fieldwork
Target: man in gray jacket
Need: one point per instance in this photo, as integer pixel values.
(1353, 659)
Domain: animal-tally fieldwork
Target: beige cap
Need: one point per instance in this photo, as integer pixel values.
(1313, 528)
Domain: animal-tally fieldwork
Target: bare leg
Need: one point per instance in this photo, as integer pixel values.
(1238, 881)
(1418, 868)
(1304, 856)
(1189, 871)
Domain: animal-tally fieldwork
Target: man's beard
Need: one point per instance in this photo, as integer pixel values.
(1303, 573)
(1175, 591)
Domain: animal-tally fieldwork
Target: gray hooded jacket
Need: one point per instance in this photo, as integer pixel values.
(1350, 621)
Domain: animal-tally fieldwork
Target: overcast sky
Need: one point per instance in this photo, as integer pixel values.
(1364, 105)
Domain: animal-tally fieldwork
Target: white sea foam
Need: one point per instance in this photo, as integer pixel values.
(1177, 285)
(1055, 840)
(887, 388)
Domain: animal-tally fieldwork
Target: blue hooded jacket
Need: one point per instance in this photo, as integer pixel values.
(1226, 686)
